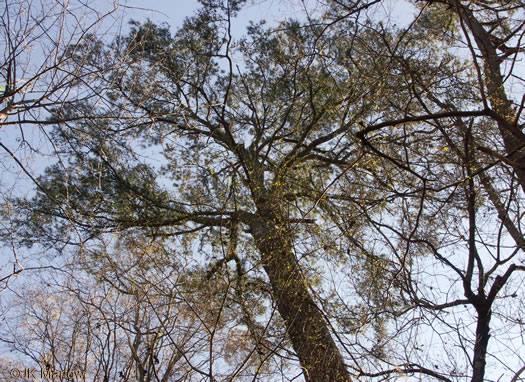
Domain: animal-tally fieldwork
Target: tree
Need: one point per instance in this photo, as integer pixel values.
(133, 317)
(444, 138)
(493, 34)
(326, 171)
(497, 33)
(38, 76)
(260, 186)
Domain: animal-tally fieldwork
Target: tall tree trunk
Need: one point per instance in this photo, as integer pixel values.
(307, 329)
(513, 137)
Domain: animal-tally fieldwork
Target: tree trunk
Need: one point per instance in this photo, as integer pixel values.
(480, 347)
(513, 137)
(307, 329)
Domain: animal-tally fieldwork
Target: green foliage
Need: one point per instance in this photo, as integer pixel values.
(329, 172)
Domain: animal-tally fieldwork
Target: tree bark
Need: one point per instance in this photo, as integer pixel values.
(306, 327)
(513, 137)
(482, 341)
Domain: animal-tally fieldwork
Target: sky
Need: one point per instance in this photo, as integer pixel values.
(173, 13)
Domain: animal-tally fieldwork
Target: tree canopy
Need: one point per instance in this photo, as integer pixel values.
(331, 198)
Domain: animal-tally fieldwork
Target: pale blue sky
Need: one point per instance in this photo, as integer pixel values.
(174, 12)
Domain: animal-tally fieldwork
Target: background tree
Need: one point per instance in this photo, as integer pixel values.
(134, 314)
(454, 202)
(38, 76)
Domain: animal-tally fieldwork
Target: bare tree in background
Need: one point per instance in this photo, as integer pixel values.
(38, 76)
(142, 314)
